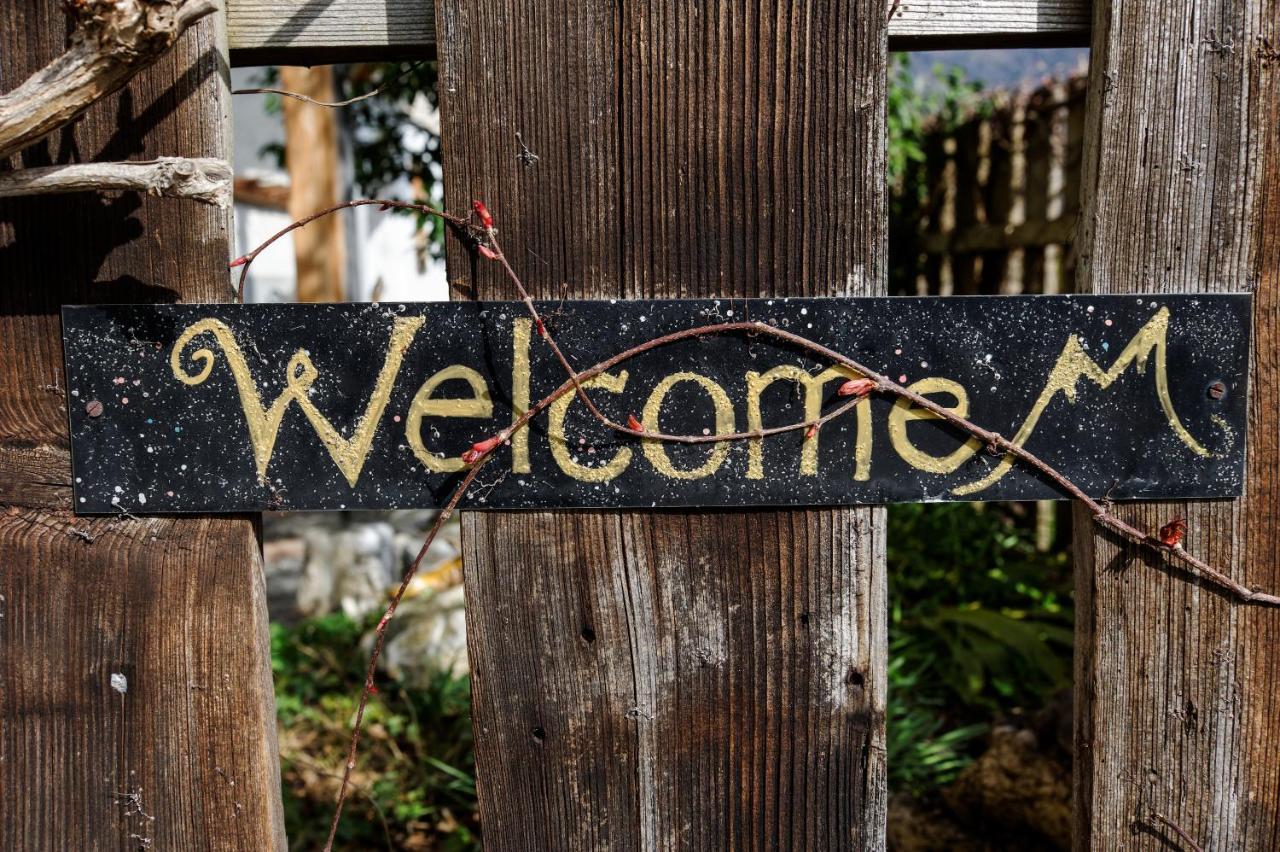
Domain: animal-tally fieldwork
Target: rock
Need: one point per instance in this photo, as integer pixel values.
(283, 561)
(428, 635)
(349, 569)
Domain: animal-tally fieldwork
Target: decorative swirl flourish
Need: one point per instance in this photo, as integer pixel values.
(300, 374)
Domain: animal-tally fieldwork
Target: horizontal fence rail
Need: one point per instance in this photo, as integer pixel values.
(266, 32)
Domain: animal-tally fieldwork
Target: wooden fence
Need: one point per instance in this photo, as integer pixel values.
(1003, 197)
(649, 679)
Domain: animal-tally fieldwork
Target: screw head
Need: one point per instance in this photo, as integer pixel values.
(93, 408)
(1217, 390)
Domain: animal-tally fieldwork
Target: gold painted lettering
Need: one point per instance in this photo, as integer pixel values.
(560, 444)
(300, 375)
(654, 449)
(426, 405)
(811, 386)
(903, 413)
(520, 394)
(1074, 364)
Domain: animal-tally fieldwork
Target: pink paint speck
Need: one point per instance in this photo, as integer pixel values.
(897, 352)
(119, 380)
(396, 418)
(168, 493)
(902, 380)
(124, 400)
(1106, 322)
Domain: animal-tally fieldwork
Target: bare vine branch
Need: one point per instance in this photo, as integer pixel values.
(204, 179)
(484, 241)
(372, 93)
(112, 41)
(1178, 830)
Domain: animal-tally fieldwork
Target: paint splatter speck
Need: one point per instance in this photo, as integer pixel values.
(902, 380)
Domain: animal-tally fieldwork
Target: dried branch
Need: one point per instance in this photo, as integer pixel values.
(1177, 829)
(484, 241)
(246, 260)
(204, 179)
(372, 93)
(112, 41)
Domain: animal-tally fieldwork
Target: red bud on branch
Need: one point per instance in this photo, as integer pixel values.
(1171, 533)
(480, 449)
(486, 218)
(812, 431)
(542, 329)
(239, 261)
(856, 387)
(633, 424)
(487, 252)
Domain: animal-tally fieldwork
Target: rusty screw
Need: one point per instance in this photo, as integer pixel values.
(93, 408)
(1217, 390)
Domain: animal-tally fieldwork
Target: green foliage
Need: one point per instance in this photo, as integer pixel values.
(415, 783)
(916, 109)
(979, 626)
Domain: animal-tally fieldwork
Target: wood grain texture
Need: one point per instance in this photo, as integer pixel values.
(283, 32)
(1176, 686)
(918, 24)
(186, 758)
(668, 679)
(303, 32)
(202, 178)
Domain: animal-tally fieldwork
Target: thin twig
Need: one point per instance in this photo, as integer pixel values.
(246, 260)
(380, 634)
(1177, 829)
(372, 93)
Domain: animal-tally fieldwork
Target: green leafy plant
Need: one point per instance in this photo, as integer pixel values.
(980, 627)
(414, 786)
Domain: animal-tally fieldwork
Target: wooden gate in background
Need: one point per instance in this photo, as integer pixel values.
(642, 679)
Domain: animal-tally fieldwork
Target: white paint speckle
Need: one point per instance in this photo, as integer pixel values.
(119, 683)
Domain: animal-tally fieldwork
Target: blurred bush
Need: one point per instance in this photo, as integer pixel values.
(414, 783)
(980, 628)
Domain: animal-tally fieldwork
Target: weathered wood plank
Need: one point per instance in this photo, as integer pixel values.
(652, 680)
(305, 32)
(265, 32)
(919, 24)
(185, 757)
(1175, 686)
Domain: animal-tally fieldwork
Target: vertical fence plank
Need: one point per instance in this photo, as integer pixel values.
(136, 709)
(1176, 710)
(648, 680)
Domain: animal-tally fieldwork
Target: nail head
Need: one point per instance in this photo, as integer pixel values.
(1217, 390)
(93, 408)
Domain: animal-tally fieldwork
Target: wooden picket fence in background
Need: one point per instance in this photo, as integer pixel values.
(1003, 197)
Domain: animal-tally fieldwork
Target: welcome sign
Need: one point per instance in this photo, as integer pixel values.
(184, 408)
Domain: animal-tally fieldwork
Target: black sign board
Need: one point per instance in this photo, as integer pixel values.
(209, 408)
